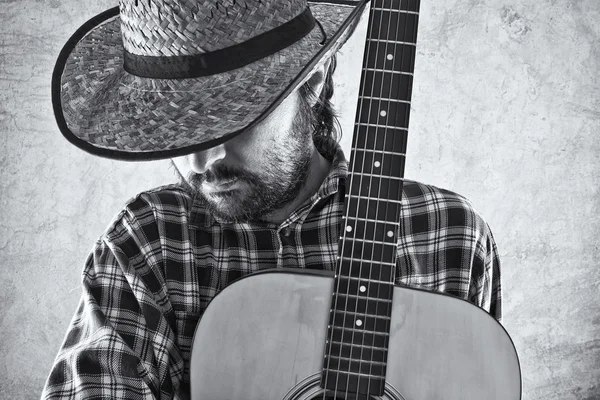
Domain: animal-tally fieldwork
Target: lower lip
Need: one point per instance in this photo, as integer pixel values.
(220, 187)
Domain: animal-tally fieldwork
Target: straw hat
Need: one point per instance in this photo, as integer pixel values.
(157, 79)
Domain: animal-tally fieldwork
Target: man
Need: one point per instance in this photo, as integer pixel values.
(250, 131)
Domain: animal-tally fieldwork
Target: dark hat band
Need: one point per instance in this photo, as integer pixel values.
(222, 60)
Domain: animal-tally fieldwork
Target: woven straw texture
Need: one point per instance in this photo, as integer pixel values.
(114, 110)
(185, 27)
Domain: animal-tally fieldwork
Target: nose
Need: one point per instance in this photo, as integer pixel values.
(202, 161)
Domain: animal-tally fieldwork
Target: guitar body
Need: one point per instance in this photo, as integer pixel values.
(263, 337)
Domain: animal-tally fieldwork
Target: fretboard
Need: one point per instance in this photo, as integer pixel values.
(358, 331)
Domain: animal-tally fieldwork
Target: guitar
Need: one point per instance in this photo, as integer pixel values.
(305, 335)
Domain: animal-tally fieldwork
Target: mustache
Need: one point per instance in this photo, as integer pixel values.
(222, 173)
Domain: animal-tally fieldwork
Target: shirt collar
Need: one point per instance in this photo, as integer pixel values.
(337, 173)
(331, 184)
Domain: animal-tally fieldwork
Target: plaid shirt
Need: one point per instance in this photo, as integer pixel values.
(151, 275)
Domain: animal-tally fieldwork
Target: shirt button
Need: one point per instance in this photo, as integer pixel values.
(286, 231)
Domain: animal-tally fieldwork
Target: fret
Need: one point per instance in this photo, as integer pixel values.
(365, 347)
(359, 297)
(365, 384)
(369, 241)
(356, 351)
(365, 281)
(347, 334)
(384, 112)
(355, 173)
(363, 367)
(380, 152)
(403, 73)
(380, 290)
(403, 55)
(369, 322)
(349, 318)
(368, 305)
(352, 284)
(375, 250)
(365, 166)
(377, 187)
(367, 271)
(377, 163)
(386, 99)
(391, 41)
(394, 25)
(408, 5)
(379, 138)
(399, 202)
(358, 337)
(375, 221)
(397, 11)
(388, 209)
(362, 305)
(386, 85)
(371, 232)
(360, 260)
(365, 375)
(381, 126)
(360, 359)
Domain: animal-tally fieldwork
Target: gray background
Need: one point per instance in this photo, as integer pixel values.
(506, 111)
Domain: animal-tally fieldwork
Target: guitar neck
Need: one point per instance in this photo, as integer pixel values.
(358, 332)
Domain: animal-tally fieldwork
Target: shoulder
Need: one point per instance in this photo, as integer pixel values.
(421, 193)
(164, 205)
(431, 208)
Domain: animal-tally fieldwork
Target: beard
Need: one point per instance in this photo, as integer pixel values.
(271, 186)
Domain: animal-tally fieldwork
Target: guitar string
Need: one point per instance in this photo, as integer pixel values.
(407, 109)
(410, 58)
(389, 186)
(377, 200)
(341, 258)
(343, 233)
(379, 190)
(376, 140)
(362, 180)
(378, 54)
(403, 142)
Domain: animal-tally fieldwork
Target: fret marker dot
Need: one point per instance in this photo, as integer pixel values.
(377, 164)
(390, 233)
(358, 322)
(383, 113)
(390, 57)
(362, 289)
(348, 228)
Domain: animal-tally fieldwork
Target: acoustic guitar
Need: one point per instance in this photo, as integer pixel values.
(288, 334)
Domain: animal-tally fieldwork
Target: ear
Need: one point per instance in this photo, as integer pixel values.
(317, 80)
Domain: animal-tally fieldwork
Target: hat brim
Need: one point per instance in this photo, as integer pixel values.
(104, 110)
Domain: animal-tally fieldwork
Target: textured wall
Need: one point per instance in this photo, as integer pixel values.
(506, 111)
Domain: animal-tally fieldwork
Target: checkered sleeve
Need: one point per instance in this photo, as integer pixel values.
(486, 286)
(120, 343)
(445, 245)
